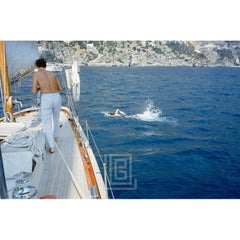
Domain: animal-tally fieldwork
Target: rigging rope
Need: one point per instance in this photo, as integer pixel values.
(95, 144)
(8, 117)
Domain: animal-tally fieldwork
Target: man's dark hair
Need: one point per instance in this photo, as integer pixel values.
(41, 62)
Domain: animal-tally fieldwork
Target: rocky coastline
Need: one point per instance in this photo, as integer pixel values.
(142, 53)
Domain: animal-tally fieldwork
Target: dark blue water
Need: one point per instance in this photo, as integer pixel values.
(184, 143)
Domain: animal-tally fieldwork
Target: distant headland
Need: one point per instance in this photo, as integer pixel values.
(142, 53)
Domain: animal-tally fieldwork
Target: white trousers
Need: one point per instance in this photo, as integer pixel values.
(50, 110)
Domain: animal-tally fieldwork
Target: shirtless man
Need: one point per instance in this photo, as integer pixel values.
(51, 101)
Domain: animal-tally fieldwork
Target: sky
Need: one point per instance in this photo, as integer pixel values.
(120, 20)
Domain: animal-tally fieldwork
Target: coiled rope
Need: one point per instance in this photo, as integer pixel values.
(24, 140)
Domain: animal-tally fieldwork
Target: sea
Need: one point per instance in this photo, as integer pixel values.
(180, 136)
(177, 137)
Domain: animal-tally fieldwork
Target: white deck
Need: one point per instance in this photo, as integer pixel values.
(55, 178)
(51, 176)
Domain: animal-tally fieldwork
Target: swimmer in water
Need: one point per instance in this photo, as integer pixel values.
(118, 113)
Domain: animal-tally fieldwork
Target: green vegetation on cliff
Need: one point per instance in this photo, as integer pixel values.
(142, 53)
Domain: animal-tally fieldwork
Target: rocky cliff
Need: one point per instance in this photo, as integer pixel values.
(142, 53)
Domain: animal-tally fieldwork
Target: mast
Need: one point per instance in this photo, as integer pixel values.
(5, 81)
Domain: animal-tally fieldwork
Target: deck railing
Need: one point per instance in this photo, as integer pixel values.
(103, 163)
(88, 135)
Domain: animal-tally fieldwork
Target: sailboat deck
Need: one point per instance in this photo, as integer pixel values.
(60, 173)
(60, 165)
(63, 167)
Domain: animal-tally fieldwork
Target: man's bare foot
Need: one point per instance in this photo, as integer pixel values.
(51, 150)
